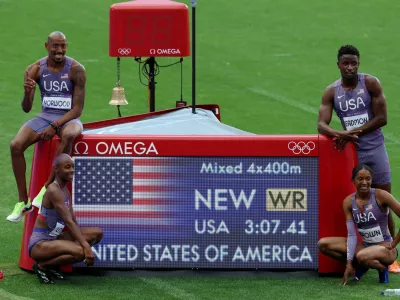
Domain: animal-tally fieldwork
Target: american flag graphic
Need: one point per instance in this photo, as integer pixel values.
(64, 76)
(126, 193)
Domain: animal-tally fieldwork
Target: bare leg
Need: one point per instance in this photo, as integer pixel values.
(376, 257)
(25, 137)
(394, 268)
(65, 259)
(93, 235)
(50, 253)
(386, 187)
(334, 247)
(69, 132)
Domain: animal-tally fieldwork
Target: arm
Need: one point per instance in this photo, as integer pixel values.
(325, 117)
(351, 230)
(57, 199)
(385, 199)
(78, 77)
(30, 77)
(71, 210)
(325, 113)
(351, 239)
(379, 109)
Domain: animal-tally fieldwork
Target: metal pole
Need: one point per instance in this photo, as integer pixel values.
(152, 84)
(194, 4)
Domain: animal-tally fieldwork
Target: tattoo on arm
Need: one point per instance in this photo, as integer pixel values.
(78, 77)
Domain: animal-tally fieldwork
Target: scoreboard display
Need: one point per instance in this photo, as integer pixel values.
(200, 212)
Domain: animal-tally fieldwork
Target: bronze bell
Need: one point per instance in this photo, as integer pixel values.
(118, 96)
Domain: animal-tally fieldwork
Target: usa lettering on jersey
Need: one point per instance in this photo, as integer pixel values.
(364, 217)
(351, 104)
(55, 86)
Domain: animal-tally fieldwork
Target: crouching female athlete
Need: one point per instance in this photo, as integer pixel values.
(369, 209)
(51, 245)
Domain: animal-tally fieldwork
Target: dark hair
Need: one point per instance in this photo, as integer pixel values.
(348, 49)
(358, 169)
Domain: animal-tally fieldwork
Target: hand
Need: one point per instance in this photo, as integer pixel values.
(29, 83)
(47, 133)
(89, 256)
(350, 271)
(340, 144)
(349, 136)
(343, 137)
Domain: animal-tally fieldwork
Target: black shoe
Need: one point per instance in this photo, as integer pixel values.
(57, 274)
(42, 274)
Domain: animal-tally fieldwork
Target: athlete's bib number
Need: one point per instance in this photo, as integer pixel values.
(356, 121)
(57, 230)
(371, 235)
(57, 102)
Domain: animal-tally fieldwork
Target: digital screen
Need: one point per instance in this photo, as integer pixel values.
(137, 29)
(200, 212)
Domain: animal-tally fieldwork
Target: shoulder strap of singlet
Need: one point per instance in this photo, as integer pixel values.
(361, 79)
(353, 201)
(63, 190)
(373, 200)
(337, 83)
(42, 63)
(68, 61)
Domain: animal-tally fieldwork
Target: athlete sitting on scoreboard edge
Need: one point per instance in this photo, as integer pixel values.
(369, 209)
(56, 238)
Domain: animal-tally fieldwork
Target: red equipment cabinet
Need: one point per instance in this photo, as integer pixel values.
(154, 28)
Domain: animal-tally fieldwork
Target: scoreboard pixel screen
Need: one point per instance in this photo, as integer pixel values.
(200, 212)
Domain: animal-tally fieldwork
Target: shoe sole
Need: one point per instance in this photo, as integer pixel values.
(397, 271)
(47, 280)
(23, 213)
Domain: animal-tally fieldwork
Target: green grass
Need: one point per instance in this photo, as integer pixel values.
(255, 59)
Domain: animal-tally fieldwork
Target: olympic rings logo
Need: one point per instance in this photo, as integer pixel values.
(301, 147)
(124, 51)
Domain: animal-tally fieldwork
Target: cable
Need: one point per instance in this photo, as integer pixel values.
(178, 62)
(181, 60)
(145, 71)
(139, 61)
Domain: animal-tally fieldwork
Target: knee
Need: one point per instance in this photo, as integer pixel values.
(67, 137)
(98, 235)
(78, 254)
(16, 147)
(363, 257)
(323, 245)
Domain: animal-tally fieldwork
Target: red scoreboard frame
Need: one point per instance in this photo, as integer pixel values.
(334, 167)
